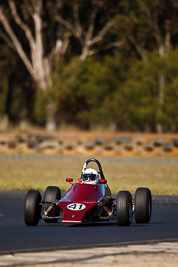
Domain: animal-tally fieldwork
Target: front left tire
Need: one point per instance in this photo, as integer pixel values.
(32, 208)
(52, 194)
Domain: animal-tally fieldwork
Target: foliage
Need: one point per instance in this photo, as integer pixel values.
(141, 94)
(130, 80)
(107, 91)
(83, 88)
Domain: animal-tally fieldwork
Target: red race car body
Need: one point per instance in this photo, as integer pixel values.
(88, 200)
(82, 198)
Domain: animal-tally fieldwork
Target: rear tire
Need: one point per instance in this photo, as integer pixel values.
(32, 208)
(52, 193)
(143, 205)
(124, 208)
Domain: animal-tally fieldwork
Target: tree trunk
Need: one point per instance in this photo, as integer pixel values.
(161, 98)
(51, 125)
(4, 123)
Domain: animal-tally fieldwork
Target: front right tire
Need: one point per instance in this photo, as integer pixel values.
(143, 205)
(124, 208)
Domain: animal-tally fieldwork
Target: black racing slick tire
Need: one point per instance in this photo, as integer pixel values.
(32, 208)
(52, 194)
(143, 205)
(124, 208)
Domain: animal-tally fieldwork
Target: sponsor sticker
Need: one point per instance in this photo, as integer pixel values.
(76, 206)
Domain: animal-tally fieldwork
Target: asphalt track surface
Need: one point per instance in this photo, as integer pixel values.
(15, 236)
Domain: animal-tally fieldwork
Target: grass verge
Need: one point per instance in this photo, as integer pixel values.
(161, 178)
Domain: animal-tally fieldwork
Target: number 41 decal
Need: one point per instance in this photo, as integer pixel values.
(76, 206)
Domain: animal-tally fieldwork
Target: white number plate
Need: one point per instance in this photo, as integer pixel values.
(76, 206)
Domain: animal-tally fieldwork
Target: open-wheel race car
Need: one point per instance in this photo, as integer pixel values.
(88, 200)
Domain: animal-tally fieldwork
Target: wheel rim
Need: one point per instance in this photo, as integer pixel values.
(149, 208)
(149, 212)
(130, 215)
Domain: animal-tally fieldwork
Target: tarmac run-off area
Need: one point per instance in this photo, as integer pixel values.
(160, 254)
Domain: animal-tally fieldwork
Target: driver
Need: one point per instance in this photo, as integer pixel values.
(90, 176)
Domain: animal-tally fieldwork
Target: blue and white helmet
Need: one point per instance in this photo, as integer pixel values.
(90, 176)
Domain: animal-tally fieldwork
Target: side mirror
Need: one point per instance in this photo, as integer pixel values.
(103, 181)
(69, 180)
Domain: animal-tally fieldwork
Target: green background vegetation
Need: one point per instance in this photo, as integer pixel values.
(117, 69)
(130, 81)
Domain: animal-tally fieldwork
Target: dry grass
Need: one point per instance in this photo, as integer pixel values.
(161, 178)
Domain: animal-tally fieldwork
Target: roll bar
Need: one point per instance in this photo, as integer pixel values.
(99, 166)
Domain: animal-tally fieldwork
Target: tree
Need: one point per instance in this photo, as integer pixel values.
(84, 87)
(16, 92)
(39, 40)
(151, 26)
(141, 93)
(89, 22)
(135, 35)
(31, 16)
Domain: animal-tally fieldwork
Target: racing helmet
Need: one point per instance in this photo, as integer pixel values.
(90, 176)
